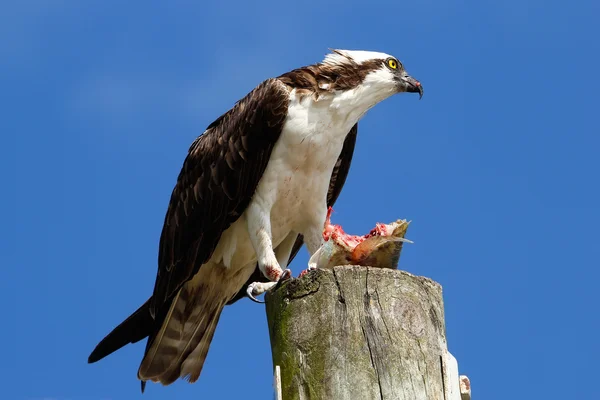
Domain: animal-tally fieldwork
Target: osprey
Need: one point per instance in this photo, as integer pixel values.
(254, 187)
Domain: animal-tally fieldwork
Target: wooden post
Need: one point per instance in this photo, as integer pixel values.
(355, 333)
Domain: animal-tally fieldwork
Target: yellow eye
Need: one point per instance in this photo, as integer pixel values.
(393, 64)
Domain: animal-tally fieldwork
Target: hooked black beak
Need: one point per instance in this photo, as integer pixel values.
(413, 85)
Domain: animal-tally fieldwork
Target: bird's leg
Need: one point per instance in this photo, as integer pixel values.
(282, 253)
(259, 227)
(313, 238)
(284, 250)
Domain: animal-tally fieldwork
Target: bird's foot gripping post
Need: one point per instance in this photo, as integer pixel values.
(362, 331)
(257, 288)
(259, 225)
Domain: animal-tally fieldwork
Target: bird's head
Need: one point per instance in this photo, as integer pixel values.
(371, 71)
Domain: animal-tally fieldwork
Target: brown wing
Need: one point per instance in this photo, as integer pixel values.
(338, 178)
(215, 185)
(217, 181)
(341, 168)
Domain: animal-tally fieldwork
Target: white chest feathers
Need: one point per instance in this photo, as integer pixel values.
(294, 185)
(297, 177)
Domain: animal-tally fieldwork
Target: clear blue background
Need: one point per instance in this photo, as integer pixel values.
(497, 167)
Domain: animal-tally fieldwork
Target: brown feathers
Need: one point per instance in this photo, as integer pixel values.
(135, 328)
(217, 180)
(180, 347)
(329, 77)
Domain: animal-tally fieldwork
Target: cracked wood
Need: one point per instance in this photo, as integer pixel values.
(355, 332)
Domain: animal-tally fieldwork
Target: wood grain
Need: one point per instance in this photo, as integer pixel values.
(355, 332)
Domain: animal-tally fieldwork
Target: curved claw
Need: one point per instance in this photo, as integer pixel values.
(249, 292)
(287, 274)
(258, 288)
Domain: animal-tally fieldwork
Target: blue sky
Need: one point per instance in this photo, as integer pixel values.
(497, 167)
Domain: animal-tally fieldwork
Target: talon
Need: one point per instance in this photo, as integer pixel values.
(287, 274)
(249, 292)
(258, 288)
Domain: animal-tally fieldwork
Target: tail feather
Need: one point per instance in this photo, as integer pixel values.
(181, 345)
(179, 337)
(191, 368)
(151, 365)
(135, 328)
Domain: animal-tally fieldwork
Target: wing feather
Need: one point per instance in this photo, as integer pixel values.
(215, 185)
(217, 181)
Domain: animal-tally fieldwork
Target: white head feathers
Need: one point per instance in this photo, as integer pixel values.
(337, 57)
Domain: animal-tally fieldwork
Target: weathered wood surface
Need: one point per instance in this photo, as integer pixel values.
(355, 332)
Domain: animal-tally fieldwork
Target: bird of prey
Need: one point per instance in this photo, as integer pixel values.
(254, 187)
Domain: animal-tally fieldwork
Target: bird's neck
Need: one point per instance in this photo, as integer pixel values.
(354, 103)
